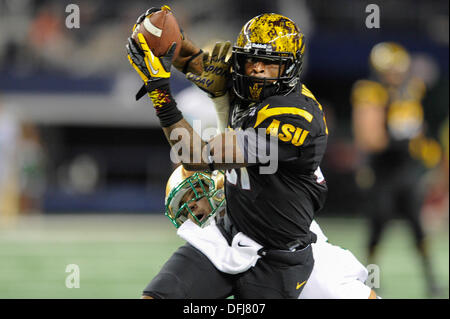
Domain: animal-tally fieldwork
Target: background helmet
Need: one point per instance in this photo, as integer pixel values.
(389, 56)
(202, 184)
(268, 36)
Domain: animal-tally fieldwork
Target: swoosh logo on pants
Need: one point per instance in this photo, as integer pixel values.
(299, 285)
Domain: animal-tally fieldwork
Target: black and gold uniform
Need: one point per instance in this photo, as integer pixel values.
(278, 116)
(274, 208)
(395, 169)
(404, 122)
(392, 172)
(277, 209)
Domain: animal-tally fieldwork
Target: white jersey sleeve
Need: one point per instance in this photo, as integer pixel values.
(222, 107)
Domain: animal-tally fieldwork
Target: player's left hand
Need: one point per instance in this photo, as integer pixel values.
(154, 71)
(214, 78)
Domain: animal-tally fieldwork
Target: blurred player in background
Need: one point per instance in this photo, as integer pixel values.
(435, 210)
(9, 167)
(389, 130)
(21, 167)
(195, 199)
(32, 160)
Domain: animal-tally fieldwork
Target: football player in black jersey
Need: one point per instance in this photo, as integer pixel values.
(389, 130)
(195, 199)
(272, 208)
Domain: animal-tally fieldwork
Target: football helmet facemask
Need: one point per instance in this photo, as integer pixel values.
(185, 187)
(270, 38)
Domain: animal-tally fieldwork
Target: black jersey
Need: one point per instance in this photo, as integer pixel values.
(277, 209)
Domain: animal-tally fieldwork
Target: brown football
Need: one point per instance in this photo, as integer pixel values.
(160, 29)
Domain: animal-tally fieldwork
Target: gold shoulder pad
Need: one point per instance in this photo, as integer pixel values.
(368, 92)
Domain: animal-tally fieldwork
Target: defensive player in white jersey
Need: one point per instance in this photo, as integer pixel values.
(195, 200)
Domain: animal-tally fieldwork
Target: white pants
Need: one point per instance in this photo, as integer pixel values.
(337, 274)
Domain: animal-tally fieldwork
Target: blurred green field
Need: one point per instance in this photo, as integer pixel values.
(119, 254)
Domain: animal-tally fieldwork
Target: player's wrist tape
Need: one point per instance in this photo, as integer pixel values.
(164, 104)
(163, 83)
(186, 65)
(150, 86)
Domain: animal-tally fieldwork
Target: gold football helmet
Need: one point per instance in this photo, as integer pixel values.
(271, 37)
(185, 187)
(389, 56)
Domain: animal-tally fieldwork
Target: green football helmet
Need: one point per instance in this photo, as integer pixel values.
(185, 187)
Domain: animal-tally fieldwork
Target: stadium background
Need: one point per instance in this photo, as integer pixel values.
(92, 163)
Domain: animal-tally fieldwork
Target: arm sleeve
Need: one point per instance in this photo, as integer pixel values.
(222, 107)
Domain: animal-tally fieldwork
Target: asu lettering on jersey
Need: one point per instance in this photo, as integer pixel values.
(281, 204)
(289, 133)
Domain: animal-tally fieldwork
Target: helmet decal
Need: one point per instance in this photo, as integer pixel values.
(272, 31)
(255, 91)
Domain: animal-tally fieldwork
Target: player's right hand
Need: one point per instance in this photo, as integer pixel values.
(216, 72)
(189, 59)
(144, 15)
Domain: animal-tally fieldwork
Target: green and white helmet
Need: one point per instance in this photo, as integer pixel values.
(185, 187)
